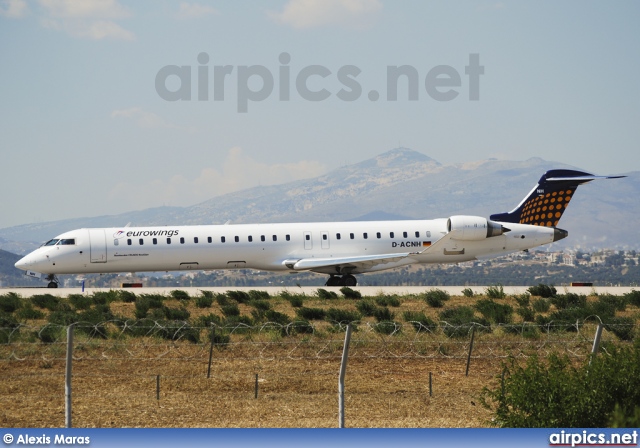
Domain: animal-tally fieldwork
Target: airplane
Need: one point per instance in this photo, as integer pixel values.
(338, 249)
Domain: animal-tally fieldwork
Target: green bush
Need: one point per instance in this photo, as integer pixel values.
(46, 301)
(142, 307)
(104, 297)
(170, 313)
(542, 290)
(337, 315)
(366, 307)
(222, 299)
(261, 305)
(541, 305)
(419, 321)
(153, 300)
(239, 296)
(552, 393)
(126, 296)
(468, 292)
(27, 312)
(51, 333)
(388, 300)
(383, 314)
(296, 300)
(495, 292)
(387, 327)
(459, 321)
(311, 313)
(495, 312)
(623, 327)
(175, 330)
(258, 295)
(526, 330)
(10, 302)
(527, 314)
(179, 294)
(326, 295)
(204, 301)
(523, 299)
(231, 309)
(569, 300)
(350, 293)
(277, 317)
(633, 298)
(80, 301)
(436, 298)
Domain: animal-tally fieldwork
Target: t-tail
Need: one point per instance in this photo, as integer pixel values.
(548, 200)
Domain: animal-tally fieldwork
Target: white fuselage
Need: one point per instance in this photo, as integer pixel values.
(274, 247)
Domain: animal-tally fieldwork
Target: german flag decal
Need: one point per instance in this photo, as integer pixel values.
(426, 243)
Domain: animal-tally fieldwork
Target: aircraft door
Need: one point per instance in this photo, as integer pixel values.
(308, 241)
(98, 246)
(324, 240)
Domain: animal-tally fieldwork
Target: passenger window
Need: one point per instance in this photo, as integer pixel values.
(209, 239)
(325, 236)
(391, 235)
(129, 242)
(262, 238)
(288, 237)
(417, 234)
(237, 239)
(116, 242)
(405, 234)
(428, 233)
(141, 241)
(378, 235)
(168, 240)
(155, 241)
(223, 239)
(195, 239)
(181, 240)
(352, 236)
(307, 237)
(365, 236)
(337, 236)
(275, 238)
(250, 238)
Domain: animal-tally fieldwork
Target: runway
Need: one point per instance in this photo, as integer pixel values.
(312, 290)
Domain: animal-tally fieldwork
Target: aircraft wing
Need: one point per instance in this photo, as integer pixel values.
(355, 264)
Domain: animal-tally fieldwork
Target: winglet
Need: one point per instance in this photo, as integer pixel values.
(548, 200)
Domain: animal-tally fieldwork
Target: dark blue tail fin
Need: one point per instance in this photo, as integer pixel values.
(548, 200)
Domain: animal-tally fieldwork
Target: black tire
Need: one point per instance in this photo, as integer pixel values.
(52, 285)
(349, 280)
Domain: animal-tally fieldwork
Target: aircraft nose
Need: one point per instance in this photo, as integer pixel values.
(24, 263)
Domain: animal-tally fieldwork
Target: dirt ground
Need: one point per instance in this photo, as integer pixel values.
(291, 393)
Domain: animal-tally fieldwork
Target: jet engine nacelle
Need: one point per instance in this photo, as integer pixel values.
(473, 228)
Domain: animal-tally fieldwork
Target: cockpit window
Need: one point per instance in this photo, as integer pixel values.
(51, 242)
(67, 242)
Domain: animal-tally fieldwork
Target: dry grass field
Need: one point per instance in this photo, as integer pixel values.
(115, 380)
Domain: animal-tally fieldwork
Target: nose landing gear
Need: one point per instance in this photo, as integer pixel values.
(53, 281)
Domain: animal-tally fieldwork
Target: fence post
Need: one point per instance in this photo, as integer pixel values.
(67, 378)
(430, 386)
(596, 342)
(158, 387)
(473, 333)
(213, 337)
(256, 388)
(343, 371)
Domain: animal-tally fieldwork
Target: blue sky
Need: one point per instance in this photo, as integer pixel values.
(85, 132)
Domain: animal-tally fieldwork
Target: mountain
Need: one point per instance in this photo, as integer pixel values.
(398, 184)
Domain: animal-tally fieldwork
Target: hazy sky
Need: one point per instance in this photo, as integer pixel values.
(108, 106)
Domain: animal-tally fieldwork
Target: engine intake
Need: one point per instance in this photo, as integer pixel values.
(473, 228)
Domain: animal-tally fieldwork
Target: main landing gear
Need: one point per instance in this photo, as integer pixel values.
(343, 280)
(53, 281)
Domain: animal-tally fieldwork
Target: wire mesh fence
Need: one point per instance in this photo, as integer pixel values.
(173, 374)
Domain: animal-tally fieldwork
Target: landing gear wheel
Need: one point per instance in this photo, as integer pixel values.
(53, 281)
(52, 285)
(349, 280)
(333, 281)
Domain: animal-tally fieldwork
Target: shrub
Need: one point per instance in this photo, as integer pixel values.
(459, 321)
(341, 316)
(222, 299)
(388, 300)
(275, 316)
(436, 298)
(543, 290)
(142, 307)
(495, 312)
(527, 314)
(10, 302)
(50, 333)
(153, 300)
(326, 295)
(383, 314)
(294, 299)
(366, 307)
(419, 321)
(495, 292)
(46, 301)
(126, 296)
(350, 293)
(174, 331)
(261, 305)
(633, 297)
(387, 327)
(541, 305)
(179, 294)
(468, 292)
(207, 320)
(80, 301)
(230, 310)
(623, 327)
(204, 301)
(239, 296)
(28, 312)
(311, 313)
(104, 297)
(526, 329)
(554, 393)
(171, 313)
(570, 300)
(523, 299)
(258, 295)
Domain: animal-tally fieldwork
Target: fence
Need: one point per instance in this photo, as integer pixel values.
(173, 374)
